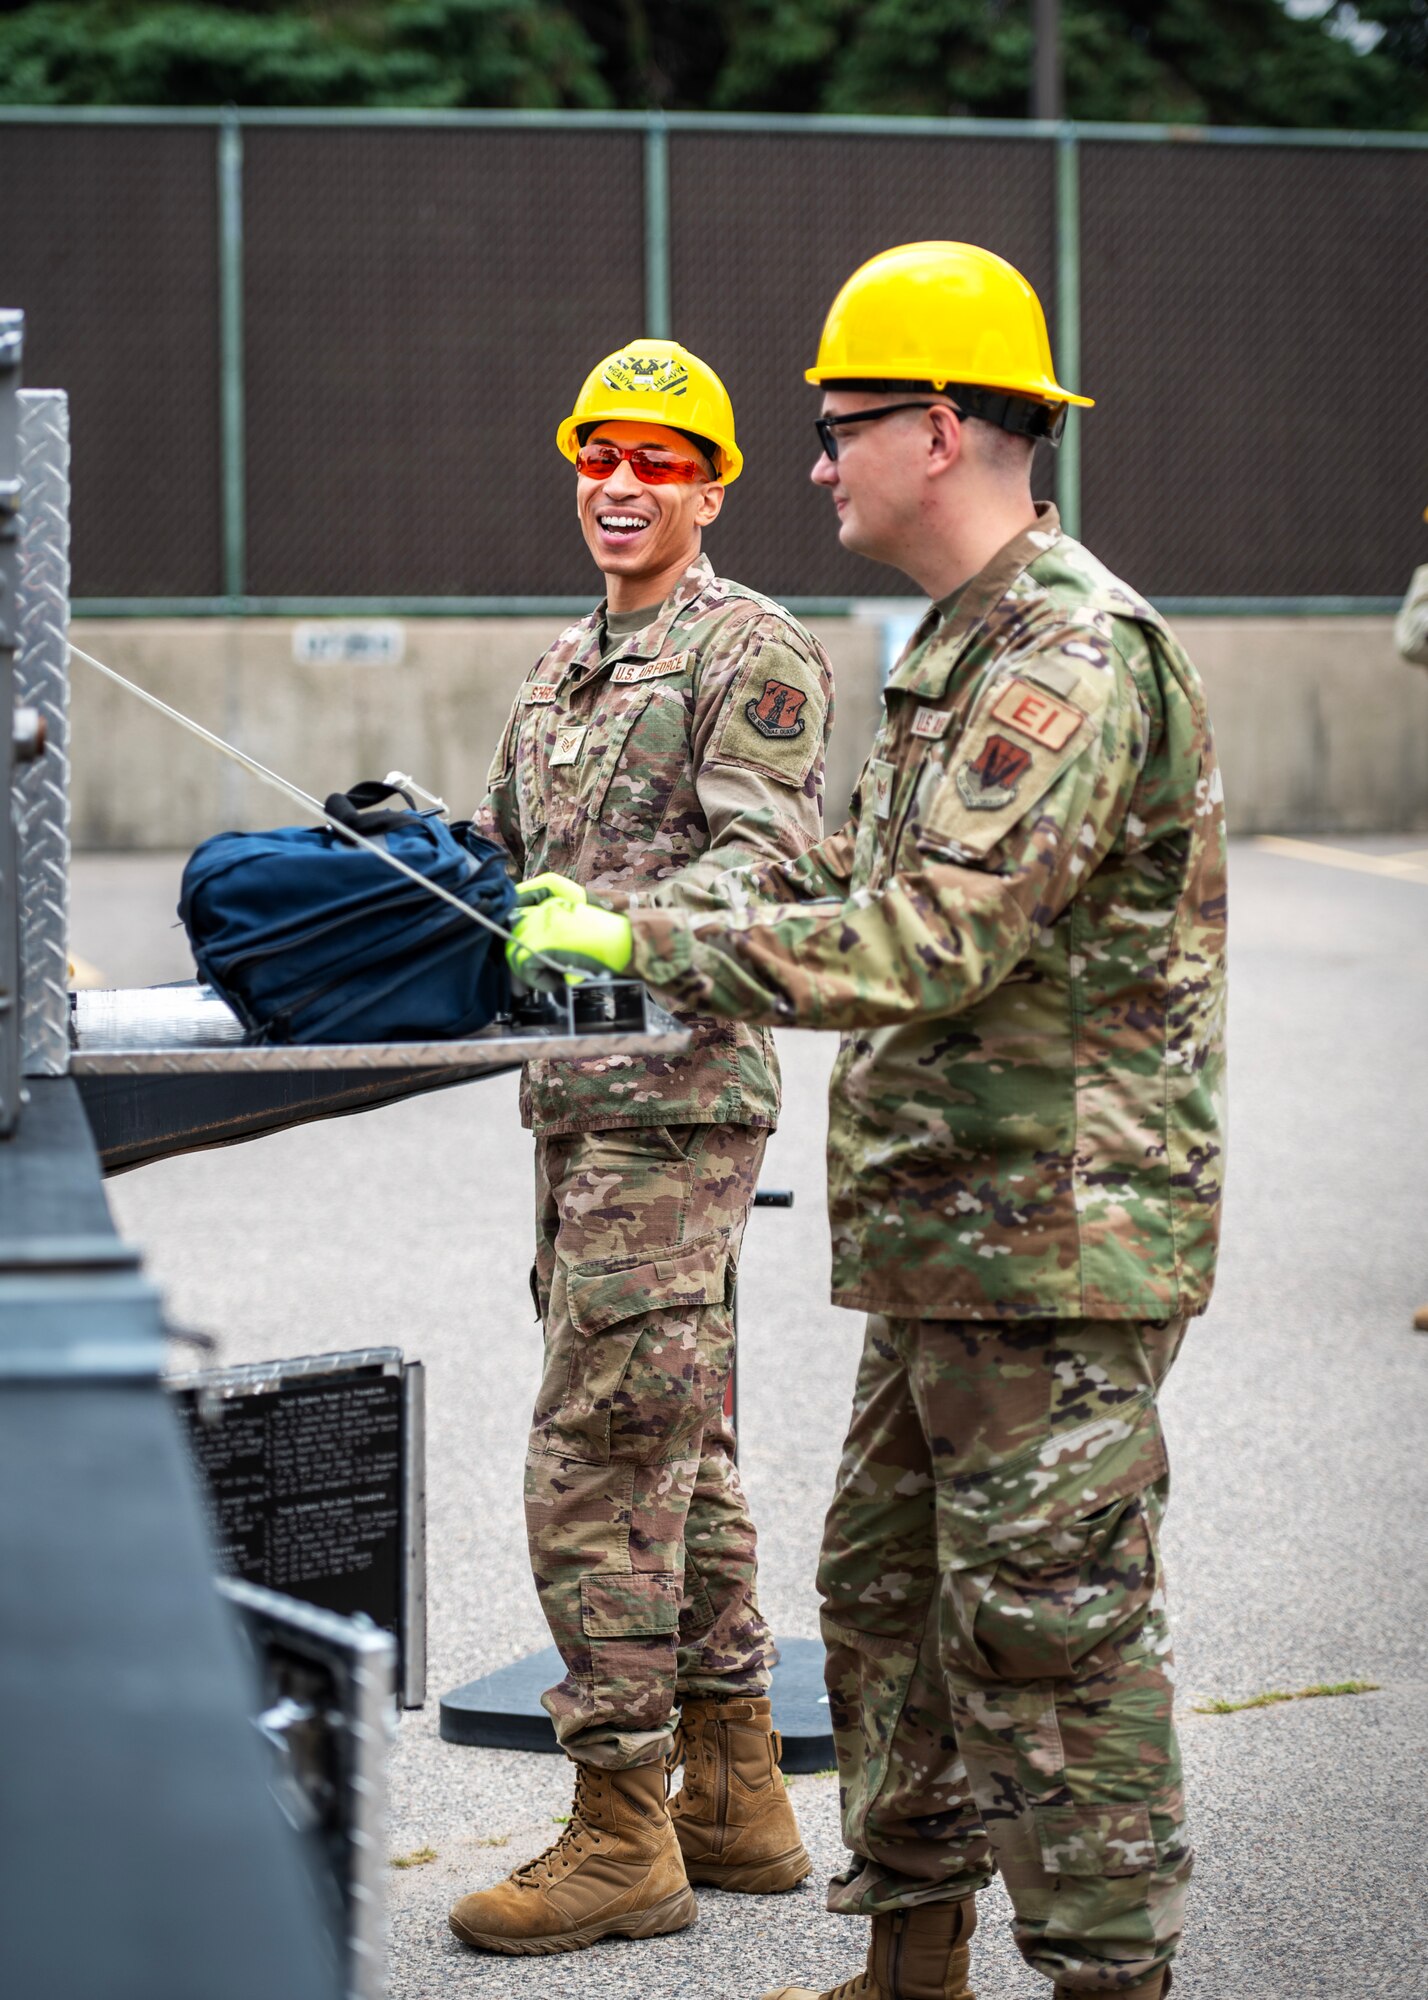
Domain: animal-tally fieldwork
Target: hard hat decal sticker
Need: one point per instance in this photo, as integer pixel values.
(989, 782)
(776, 712)
(661, 376)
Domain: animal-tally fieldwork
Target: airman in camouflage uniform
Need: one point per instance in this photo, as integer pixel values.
(1021, 934)
(1022, 937)
(687, 735)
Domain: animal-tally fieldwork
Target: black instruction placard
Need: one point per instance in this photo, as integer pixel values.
(304, 1483)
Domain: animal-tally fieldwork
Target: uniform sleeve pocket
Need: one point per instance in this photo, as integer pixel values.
(602, 1293)
(639, 1605)
(1095, 1840)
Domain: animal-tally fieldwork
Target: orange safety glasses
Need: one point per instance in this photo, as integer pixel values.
(650, 465)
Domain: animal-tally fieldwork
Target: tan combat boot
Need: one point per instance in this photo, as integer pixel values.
(733, 1818)
(1154, 1988)
(616, 1871)
(919, 1954)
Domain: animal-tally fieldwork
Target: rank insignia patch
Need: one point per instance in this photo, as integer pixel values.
(989, 783)
(776, 712)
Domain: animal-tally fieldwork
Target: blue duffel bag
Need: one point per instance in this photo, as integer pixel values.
(311, 939)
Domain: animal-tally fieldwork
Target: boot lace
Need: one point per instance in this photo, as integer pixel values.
(567, 1848)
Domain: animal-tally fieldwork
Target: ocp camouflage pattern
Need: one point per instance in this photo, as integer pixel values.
(695, 746)
(999, 1669)
(1021, 933)
(640, 1539)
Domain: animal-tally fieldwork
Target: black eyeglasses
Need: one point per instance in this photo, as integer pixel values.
(829, 427)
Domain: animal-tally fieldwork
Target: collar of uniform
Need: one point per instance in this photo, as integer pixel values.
(938, 644)
(650, 643)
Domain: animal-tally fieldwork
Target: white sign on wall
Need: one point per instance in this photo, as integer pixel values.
(362, 642)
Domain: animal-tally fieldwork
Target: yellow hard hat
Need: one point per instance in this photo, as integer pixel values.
(947, 316)
(662, 382)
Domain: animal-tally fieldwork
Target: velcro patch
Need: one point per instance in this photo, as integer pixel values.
(1033, 713)
(773, 718)
(540, 691)
(569, 740)
(651, 670)
(988, 781)
(931, 722)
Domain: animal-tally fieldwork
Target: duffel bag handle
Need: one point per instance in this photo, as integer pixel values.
(354, 807)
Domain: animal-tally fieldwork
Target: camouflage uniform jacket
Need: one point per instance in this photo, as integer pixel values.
(1022, 933)
(695, 745)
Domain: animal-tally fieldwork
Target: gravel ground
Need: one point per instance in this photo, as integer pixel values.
(1296, 1419)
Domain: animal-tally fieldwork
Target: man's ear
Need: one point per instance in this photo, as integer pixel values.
(711, 499)
(945, 446)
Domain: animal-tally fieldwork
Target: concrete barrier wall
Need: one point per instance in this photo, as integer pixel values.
(1322, 729)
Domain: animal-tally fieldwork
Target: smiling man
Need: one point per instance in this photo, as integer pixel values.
(1021, 933)
(679, 727)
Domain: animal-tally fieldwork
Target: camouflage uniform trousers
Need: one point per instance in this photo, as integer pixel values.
(640, 1537)
(999, 1666)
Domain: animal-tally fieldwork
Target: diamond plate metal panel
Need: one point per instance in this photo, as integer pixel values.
(42, 682)
(186, 1030)
(12, 345)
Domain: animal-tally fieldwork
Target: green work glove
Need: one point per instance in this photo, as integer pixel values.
(541, 887)
(586, 943)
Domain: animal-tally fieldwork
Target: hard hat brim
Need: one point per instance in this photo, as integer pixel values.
(1051, 393)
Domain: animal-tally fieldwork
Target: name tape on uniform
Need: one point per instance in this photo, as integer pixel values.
(931, 722)
(568, 741)
(1033, 713)
(540, 690)
(650, 670)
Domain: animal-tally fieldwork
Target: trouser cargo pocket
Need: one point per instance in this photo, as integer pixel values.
(640, 1359)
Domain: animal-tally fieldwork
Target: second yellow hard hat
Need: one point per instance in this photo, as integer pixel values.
(659, 382)
(944, 314)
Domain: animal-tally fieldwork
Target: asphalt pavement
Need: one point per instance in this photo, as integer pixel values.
(1296, 1420)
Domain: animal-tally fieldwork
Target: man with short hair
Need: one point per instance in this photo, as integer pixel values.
(1021, 933)
(679, 727)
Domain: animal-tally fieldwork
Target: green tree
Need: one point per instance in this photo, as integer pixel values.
(1222, 62)
(527, 53)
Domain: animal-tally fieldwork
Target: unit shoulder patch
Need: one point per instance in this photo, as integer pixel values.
(1018, 742)
(773, 717)
(989, 781)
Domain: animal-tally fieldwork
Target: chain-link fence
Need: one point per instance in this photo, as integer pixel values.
(319, 359)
